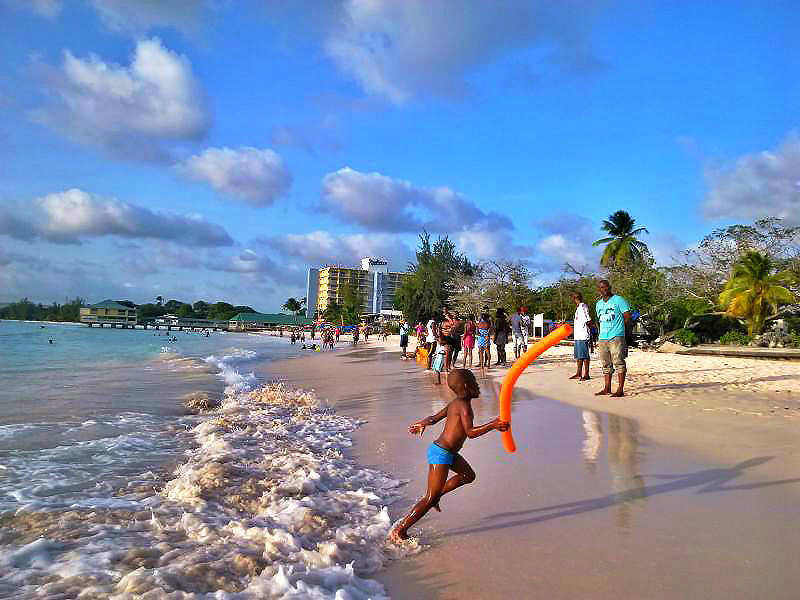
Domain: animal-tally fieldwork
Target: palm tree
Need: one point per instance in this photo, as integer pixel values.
(621, 245)
(753, 293)
(293, 305)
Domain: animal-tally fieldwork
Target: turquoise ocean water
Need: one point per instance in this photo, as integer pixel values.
(78, 415)
(110, 489)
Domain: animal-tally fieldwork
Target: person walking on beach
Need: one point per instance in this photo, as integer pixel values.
(483, 332)
(446, 337)
(614, 316)
(456, 333)
(430, 341)
(520, 332)
(404, 327)
(468, 339)
(582, 322)
(443, 454)
(501, 329)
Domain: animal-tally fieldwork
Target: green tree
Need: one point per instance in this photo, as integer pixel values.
(432, 281)
(754, 292)
(159, 300)
(185, 311)
(352, 303)
(621, 244)
(294, 306)
(333, 314)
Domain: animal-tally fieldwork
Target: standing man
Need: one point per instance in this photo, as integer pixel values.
(583, 321)
(404, 327)
(614, 316)
(520, 331)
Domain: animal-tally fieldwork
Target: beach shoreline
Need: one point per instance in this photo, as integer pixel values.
(370, 383)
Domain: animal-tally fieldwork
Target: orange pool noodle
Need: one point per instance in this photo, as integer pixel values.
(422, 356)
(551, 339)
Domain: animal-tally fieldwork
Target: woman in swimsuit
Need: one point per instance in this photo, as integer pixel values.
(483, 332)
(468, 340)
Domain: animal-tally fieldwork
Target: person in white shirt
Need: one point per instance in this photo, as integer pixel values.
(581, 336)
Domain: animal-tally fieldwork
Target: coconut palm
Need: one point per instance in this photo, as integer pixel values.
(753, 292)
(621, 245)
(293, 305)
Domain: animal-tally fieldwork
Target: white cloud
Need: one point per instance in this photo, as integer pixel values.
(401, 49)
(138, 16)
(132, 112)
(257, 176)
(321, 247)
(566, 238)
(766, 184)
(481, 244)
(380, 203)
(74, 215)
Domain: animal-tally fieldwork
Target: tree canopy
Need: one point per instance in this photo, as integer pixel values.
(621, 244)
(427, 290)
(754, 290)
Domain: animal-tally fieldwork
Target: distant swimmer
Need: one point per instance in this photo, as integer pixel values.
(50, 340)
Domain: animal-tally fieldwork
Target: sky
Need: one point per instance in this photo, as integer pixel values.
(217, 149)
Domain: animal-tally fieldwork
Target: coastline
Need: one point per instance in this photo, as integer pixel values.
(517, 526)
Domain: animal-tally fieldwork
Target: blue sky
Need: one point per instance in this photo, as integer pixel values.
(216, 150)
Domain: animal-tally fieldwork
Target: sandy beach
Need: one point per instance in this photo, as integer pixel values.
(686, 488)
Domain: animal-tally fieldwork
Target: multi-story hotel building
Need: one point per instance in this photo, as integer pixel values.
(374, 282)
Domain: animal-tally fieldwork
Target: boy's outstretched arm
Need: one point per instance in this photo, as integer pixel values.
(473, 432)
(419, 426)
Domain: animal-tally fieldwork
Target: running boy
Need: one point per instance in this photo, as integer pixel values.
(443, 454)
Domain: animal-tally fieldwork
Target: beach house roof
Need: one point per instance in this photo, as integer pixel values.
(271, 319)
(110, 304)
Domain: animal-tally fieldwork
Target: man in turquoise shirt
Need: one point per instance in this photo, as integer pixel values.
(614, 316)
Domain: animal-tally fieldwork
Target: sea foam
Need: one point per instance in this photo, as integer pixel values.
(267, 505)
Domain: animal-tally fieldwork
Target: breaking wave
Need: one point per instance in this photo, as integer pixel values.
(267, 505)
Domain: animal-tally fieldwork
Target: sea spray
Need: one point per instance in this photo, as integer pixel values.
(267, 505)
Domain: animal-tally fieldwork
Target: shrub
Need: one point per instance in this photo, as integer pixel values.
(794, 340)
(735, 338)
(686, 337)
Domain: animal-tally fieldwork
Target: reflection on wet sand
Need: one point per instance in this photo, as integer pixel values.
(628, 487)
(593, 438)
(623, 463)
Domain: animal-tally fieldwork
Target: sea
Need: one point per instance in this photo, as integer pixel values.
(141, 463)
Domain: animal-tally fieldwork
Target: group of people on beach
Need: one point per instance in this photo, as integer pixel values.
(445, 339)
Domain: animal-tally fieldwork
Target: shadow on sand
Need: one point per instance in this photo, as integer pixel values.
(710, 480)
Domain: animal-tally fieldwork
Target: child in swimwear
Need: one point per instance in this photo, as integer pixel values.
(440, 359)
(443, 454)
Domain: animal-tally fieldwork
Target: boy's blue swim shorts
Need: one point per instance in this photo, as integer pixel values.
(439, 456)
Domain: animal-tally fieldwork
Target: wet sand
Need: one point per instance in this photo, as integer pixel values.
(594, 505)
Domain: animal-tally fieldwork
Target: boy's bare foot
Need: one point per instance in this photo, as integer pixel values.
(436, 506)
(618, 394)
(575, 377)
(602, 392)
(398, 534)
(437, 383)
